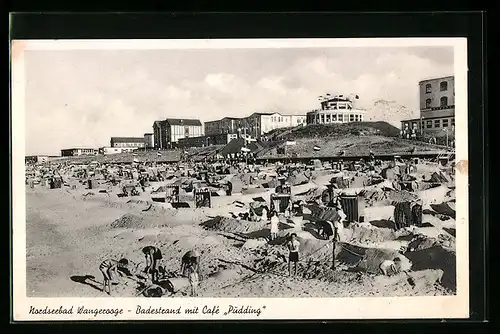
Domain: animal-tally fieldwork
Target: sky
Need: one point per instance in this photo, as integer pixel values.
(81, 98)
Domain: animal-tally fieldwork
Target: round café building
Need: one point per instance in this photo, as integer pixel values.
(335, 110)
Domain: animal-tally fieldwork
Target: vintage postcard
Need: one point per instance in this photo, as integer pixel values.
(240, 179)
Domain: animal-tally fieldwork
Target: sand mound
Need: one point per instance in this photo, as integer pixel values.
(426, 278)
(136, 221)
(193, 242)
(367, 234)
(226, 275)
(233, 225)
(421, 242)
(254, 243)
(373, 257)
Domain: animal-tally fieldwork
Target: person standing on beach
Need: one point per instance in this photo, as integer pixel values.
(293, 248)
(274, 225)
(193, 273)
(229, 188)
(190, 268)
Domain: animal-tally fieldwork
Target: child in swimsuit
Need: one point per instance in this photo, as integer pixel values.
(109, 269)
(153, 256)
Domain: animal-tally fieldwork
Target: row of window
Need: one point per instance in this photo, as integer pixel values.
(443, 102)
(338, 118)
(437, 123)
(443, 86)
(129, 144)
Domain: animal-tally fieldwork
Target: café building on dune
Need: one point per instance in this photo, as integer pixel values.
(336, 109)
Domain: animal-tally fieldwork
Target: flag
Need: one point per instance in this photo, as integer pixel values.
(316, 148)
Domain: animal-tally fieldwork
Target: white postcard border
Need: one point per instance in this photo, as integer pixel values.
(270, 308)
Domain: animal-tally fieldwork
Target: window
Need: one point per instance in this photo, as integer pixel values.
(428, 88)
(443, 86)
(334, 117)
(351, 118)
(437, 123)
(414, 125)
(453, 121)
(356, 118)
(328, 117)
(444, 101)
(428, 103)
(445, 123)
(429, 124)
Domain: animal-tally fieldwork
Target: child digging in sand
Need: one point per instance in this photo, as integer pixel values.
(109, 269)
(153, 256)
(389, 268)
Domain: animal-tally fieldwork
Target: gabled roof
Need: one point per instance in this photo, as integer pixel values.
(264, 113)
(183, 121)
(437, 79)
(127, 139)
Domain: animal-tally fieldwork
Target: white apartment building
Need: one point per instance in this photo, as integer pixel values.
(254, 125)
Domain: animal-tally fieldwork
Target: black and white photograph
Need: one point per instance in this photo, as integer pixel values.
(330, 172)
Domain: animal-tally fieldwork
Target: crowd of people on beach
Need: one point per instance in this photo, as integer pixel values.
(190, 262)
